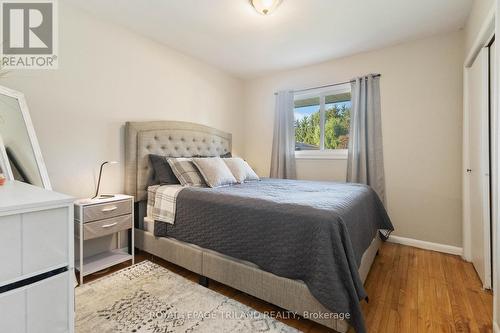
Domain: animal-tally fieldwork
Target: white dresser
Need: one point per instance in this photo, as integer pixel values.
(36, 260)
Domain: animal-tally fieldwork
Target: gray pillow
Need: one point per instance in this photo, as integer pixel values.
(186, 172)
(214, 171)
(162, 172)
(240, 169)
(226, 155)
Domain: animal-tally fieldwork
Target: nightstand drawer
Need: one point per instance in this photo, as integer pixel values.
(107, 226)
(106, 210)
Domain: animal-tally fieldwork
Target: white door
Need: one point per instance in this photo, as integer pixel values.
(493, 118)
(479, 166)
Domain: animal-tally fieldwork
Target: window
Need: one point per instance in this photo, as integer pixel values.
(322, 121)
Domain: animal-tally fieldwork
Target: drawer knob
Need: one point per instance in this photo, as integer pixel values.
(110, 225)
(109, 209)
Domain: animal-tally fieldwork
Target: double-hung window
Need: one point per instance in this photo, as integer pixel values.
(322, 120)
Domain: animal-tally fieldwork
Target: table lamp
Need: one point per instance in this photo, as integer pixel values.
(104, 196)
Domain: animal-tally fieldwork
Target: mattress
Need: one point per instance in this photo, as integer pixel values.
(149, 225)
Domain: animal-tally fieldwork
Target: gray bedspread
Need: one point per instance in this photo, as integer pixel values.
(316, 232)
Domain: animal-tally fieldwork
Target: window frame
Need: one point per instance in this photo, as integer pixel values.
(322, 153)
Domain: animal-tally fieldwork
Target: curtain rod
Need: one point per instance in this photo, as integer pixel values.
(329, 85)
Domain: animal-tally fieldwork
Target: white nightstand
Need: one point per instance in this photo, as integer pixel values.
(95, 218)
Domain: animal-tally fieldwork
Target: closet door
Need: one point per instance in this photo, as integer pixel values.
(493, 119)
(479, 166)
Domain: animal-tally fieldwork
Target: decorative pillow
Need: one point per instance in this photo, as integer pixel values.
(186, 172)
(162, 172)
(241, 170)
(214, 171)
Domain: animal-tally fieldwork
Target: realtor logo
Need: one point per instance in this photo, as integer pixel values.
(29, 34)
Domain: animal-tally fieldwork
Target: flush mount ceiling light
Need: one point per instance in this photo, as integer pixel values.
(265, 7)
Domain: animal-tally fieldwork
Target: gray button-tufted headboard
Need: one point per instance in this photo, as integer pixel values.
(169, 138)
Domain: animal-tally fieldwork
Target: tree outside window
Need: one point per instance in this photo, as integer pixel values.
(322, 122)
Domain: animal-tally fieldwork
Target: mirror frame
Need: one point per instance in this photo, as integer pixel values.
(23, 105)
(4, 162)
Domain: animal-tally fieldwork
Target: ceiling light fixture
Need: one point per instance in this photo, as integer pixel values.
(265, 7)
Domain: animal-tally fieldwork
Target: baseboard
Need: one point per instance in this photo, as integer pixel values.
(426, 245)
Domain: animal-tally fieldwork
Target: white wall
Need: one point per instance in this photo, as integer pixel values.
(421, 94)
(107, 76)
(319, 169)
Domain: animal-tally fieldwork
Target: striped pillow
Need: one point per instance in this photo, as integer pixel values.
(186, 172)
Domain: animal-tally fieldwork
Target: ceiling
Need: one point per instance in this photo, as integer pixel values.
(231, 35)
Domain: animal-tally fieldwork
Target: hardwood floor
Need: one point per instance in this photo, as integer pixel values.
(410, 290)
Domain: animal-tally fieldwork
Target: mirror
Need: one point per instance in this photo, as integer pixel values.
(20, 147)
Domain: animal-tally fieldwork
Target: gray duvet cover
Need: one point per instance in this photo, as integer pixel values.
(316, 232)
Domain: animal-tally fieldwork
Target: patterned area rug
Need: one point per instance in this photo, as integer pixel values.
(149, 298)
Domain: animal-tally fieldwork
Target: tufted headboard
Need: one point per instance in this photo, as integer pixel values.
(169, 138)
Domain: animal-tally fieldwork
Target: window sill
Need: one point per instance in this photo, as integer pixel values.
(337, 154)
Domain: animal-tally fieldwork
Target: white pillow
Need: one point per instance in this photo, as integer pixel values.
(214, 171)
(240, 169)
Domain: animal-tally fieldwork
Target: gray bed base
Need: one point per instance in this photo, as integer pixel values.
(175, 138)
(291, 295)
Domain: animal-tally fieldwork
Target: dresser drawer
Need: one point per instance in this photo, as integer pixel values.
(45, 239)
(11, 247)
(34, 242)
(40, 307)
(106, 210)
(13, 311)
(47, 305)
(106, 227)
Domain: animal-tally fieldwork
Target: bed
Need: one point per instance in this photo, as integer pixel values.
(180, 139)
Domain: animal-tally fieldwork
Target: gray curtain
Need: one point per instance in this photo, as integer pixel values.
(365, 162)
(283, 153)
